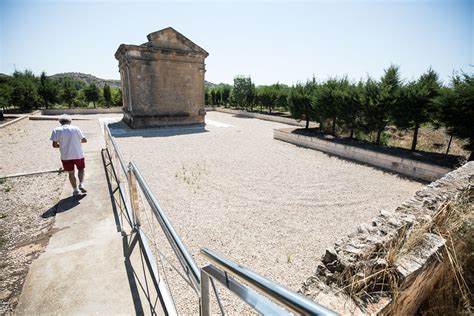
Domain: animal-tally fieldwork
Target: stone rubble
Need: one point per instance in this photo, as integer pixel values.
(363, 253)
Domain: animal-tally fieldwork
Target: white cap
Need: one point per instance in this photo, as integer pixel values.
(65, 118)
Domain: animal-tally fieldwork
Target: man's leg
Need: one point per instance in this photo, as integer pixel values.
(80, 174)
(80, 163)
(68, 167)
(72, 179)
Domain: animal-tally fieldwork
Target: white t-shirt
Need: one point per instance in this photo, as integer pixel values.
(69, 139)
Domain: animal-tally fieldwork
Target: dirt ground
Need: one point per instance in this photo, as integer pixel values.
(429, 139)
(27, 209)
(6, 120)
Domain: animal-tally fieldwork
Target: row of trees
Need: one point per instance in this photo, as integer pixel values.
(371, 105)
(26, 91)
(245, 95)
(366, 106)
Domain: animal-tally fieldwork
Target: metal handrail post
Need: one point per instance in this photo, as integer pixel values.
(205, 298)
(132, 188)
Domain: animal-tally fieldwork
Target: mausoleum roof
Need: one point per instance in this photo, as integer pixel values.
(165, 40)
(169, 38)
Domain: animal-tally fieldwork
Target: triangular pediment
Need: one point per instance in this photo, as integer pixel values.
(169, 38)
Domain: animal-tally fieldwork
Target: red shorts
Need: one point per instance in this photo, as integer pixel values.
(68, 165)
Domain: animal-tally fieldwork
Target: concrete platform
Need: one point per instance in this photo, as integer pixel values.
(86, 268)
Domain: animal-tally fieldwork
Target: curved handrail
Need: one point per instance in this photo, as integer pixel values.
(291, 300)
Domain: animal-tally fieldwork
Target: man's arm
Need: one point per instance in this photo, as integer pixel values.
(55, 144)
(82, 136)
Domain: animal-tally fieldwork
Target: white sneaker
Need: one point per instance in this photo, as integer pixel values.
(81, 187)
(76, 192)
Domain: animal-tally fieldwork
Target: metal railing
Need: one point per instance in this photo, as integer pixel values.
(130, 182)
(120, 172)
(291, 301)
(185, 259)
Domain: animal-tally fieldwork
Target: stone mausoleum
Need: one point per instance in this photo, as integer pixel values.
(162, 80)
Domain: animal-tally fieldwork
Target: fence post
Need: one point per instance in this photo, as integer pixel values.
(204, 304)
(118, 167)
(132, 186)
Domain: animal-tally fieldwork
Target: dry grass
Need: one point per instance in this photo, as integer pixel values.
(453, 293)
(429, 139)
(376, 276)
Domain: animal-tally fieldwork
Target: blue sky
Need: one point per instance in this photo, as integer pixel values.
(272, 41)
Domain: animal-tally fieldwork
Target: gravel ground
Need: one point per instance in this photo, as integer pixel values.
(27, 209)
(25, 145)
(270, 206)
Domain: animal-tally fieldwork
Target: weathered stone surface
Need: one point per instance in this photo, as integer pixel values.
(364, 254)
(419, 271)
(162, 80)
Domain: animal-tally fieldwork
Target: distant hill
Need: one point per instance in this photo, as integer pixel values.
(88, 78)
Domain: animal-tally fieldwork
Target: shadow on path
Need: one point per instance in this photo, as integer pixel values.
(63, 205)
(142, 285)
(120, 130)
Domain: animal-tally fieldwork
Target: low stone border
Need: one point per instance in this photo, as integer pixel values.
(404, 166)
(265, 117)
(54, 118)
(13, 121)
(32, 173)
(82, 111)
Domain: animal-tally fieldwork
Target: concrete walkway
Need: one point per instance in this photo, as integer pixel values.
(84, 269)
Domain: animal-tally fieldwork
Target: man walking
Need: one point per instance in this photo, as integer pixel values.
(68, 139)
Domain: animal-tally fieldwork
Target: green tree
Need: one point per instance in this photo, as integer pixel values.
(243, 92)
(48, 90)
(418, 104)
(213, 96)
(370, 105)
(219, 99)
(69, 92)
(389, 99)
(226, 90)
(107, 95)
(379, 99)
(300, 100)
(92, 93)
(207, 96)
(117, 97)
(24, 93)
(5, 91)
(329, 101)
(457, 109)
(281, 97)
(351, 106)
(266, 97)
